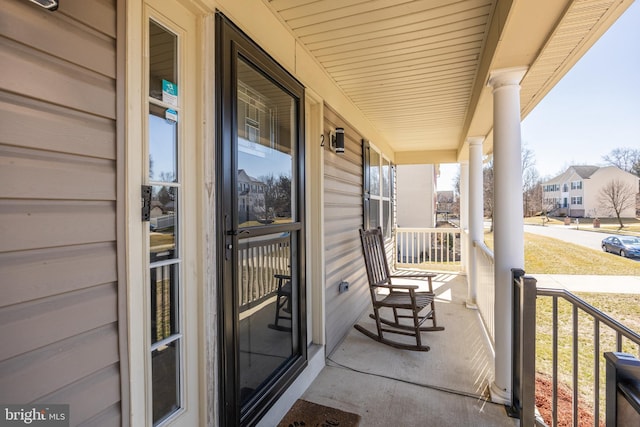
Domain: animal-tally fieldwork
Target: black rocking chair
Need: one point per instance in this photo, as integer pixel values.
(283, 303)
(399, 297)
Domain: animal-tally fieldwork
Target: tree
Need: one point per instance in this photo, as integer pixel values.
(627, 159)
(487, 189)
(532, 192)
(532, 195)
(277, 197)
(616, 196)
(530, 182)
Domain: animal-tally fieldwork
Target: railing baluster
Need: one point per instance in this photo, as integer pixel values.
(618, 341)
(434, 246)
(258, 262)
(446, 249)
(242, 261)
(596, 372)
(575, 366)
(555, 362)
(455, 246)
(252, 275)
(414, 241)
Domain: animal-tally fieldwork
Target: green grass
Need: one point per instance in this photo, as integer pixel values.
(623, 308)
(541, 220)
(545, 255)
(607, 225)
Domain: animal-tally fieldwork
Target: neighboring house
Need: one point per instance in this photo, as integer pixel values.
(577, 191)
(446, 203)
(416, 196)
(251, 193)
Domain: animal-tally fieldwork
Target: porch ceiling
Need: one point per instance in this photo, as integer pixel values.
(417, 69)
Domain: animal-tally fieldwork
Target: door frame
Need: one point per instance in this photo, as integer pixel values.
(187, 22)
(230, 42)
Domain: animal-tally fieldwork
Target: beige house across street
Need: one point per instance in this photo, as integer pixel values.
(577, 192)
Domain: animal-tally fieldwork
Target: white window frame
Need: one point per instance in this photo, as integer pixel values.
(381, 198)
(184, 23)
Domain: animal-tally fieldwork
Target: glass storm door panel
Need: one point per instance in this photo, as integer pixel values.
(262, 158)
(265, 153)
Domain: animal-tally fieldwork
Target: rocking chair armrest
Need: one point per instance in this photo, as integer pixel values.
(417, 276)
(413, 276)
(392, 287)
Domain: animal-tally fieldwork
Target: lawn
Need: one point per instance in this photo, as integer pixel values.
(544, 255)
(624, 308)
(607, 225)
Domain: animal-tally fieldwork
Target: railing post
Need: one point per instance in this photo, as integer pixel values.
(623, 397)
(524, 343)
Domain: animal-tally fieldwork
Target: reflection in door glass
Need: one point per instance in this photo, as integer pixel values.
(265, 307)
(163, 146)
(164, 368)
(164, 328)
(163, 51)
(266, 132)
(162, 224)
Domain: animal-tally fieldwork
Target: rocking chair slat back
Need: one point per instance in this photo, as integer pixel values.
(397, 298)
(375, 257)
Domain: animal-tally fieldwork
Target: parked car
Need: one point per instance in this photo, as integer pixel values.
(625, 246)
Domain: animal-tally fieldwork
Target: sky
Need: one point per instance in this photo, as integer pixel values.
(592, 110)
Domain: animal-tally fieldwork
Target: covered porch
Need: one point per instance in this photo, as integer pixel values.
(447, 385)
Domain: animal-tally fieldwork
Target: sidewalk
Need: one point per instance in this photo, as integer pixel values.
(594, 284)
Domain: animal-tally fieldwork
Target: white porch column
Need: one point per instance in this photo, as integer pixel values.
(464, 217)
(476, 215)
(508, 234)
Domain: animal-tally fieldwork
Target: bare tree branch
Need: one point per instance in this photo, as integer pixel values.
(616, 196)
(627, 159)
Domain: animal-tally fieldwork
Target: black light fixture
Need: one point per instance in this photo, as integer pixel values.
(47, 4)
(337, 141)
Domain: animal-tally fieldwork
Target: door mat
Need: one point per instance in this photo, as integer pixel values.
(309, 414)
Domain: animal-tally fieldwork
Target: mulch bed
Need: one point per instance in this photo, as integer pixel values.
(544, 396)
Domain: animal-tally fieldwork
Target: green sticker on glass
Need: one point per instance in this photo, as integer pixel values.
(169, 92)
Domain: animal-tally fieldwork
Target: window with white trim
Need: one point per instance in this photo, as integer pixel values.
(165, 257)
(378, 190)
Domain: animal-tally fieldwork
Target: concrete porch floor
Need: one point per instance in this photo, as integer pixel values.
(446, 386)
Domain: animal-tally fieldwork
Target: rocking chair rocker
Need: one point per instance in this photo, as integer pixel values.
(399, 297)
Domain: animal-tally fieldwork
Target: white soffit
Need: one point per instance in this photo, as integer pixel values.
(412, 66)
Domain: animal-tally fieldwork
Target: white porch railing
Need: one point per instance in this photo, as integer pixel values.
(429, 248)
(486, 286)
(259, 261)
